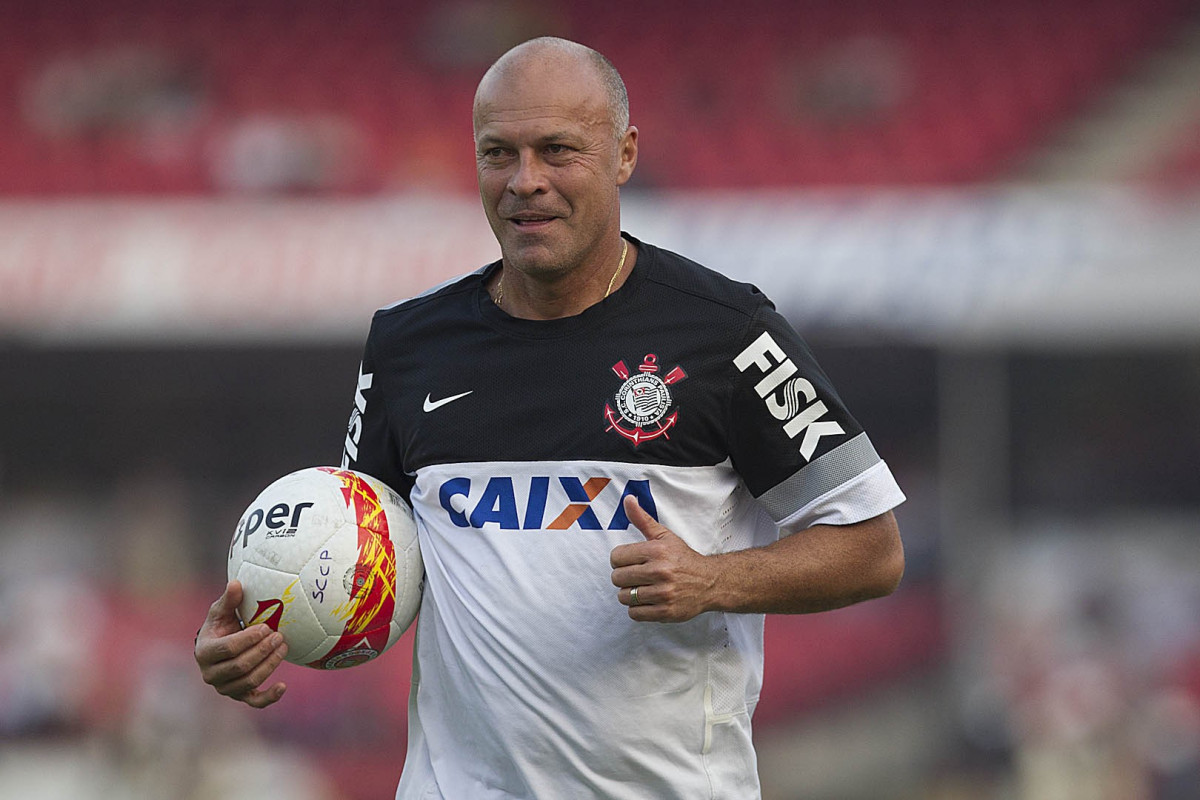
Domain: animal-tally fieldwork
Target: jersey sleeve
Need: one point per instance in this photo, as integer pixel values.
(370, 445)
(794, 443)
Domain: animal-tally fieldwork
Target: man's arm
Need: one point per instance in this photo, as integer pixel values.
(821, 568)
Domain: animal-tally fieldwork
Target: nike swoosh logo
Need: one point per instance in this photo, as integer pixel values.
(433, 405)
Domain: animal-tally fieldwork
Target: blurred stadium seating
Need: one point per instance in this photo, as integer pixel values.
(138, 97)
(199, 204)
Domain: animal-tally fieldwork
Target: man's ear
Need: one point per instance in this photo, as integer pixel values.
(627, 152)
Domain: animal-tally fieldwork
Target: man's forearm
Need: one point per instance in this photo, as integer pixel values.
(818, 569)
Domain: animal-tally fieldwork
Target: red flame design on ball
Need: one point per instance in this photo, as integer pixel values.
(373, 601)
(269, 612)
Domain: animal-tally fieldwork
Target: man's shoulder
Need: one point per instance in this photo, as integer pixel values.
(444, 298)
(695, 282)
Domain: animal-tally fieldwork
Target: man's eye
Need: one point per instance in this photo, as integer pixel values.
(494, 153)
(556, 149)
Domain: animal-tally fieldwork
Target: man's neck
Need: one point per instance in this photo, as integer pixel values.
(526, 297)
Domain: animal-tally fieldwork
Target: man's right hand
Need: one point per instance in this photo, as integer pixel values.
(237, 662)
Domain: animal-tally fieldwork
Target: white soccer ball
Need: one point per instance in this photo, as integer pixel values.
(329, 558)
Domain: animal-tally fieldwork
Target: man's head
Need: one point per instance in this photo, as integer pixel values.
(553, 146)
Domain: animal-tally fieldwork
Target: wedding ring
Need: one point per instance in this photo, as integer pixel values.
(633, 601)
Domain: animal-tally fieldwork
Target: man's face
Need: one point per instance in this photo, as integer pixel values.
(549, 166)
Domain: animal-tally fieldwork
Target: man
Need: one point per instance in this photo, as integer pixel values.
(597, 436)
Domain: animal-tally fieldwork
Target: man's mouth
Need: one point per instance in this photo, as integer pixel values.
(530, 220)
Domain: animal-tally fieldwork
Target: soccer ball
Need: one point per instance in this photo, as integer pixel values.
(329, 558)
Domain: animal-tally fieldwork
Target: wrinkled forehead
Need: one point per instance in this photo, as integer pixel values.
(549, 90)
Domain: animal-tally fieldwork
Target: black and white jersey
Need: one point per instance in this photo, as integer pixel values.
(515, 441)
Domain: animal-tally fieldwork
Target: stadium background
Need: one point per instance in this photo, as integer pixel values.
(983, 217)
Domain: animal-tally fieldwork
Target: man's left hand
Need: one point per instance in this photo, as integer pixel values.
(673, 582)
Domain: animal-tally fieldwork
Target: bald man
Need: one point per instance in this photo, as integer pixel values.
(597, 436)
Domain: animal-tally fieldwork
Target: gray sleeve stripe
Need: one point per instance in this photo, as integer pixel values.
(820, 476)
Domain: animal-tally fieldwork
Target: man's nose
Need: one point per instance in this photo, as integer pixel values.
(529, 177)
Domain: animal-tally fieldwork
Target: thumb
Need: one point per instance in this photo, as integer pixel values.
(222, 615)
(648, 525)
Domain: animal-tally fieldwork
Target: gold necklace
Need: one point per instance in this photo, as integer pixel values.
(607, 292)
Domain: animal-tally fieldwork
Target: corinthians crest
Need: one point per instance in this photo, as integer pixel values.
(643, 401)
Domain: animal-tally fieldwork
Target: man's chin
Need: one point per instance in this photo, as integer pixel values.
(533, 258)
